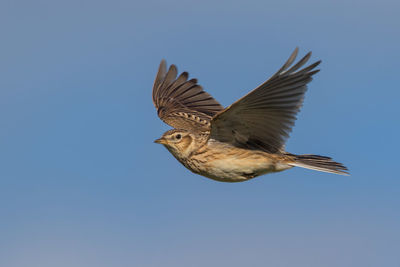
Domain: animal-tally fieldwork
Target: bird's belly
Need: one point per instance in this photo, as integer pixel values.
(238, 169)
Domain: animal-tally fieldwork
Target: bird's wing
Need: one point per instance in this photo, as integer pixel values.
(263, 118)
(180, 102)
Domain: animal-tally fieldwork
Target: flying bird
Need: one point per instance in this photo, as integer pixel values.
(244, 140)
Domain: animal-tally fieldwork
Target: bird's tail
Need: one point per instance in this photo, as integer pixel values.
(319, 163)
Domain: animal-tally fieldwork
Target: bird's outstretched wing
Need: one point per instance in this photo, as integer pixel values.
(264, 118)
(180, 102)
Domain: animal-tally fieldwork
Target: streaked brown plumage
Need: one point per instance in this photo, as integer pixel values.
(247, 138)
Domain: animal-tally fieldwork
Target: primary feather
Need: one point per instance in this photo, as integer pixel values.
(264, 118)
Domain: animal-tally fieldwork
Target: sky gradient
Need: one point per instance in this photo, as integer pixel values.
(83, 184)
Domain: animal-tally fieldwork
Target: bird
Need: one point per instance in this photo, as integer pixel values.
(244, 140)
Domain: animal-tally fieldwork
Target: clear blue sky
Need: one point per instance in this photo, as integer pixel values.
(83, 184)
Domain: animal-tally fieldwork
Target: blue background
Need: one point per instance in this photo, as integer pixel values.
(83, 184)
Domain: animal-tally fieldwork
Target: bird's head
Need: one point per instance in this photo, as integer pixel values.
(178, 141)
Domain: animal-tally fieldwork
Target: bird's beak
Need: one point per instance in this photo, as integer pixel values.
(160, 141)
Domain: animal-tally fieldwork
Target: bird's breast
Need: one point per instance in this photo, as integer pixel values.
(223, 162)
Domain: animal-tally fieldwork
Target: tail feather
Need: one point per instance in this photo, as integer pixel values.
(319, 163)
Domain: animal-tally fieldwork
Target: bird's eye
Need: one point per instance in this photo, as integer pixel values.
(178, 136)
